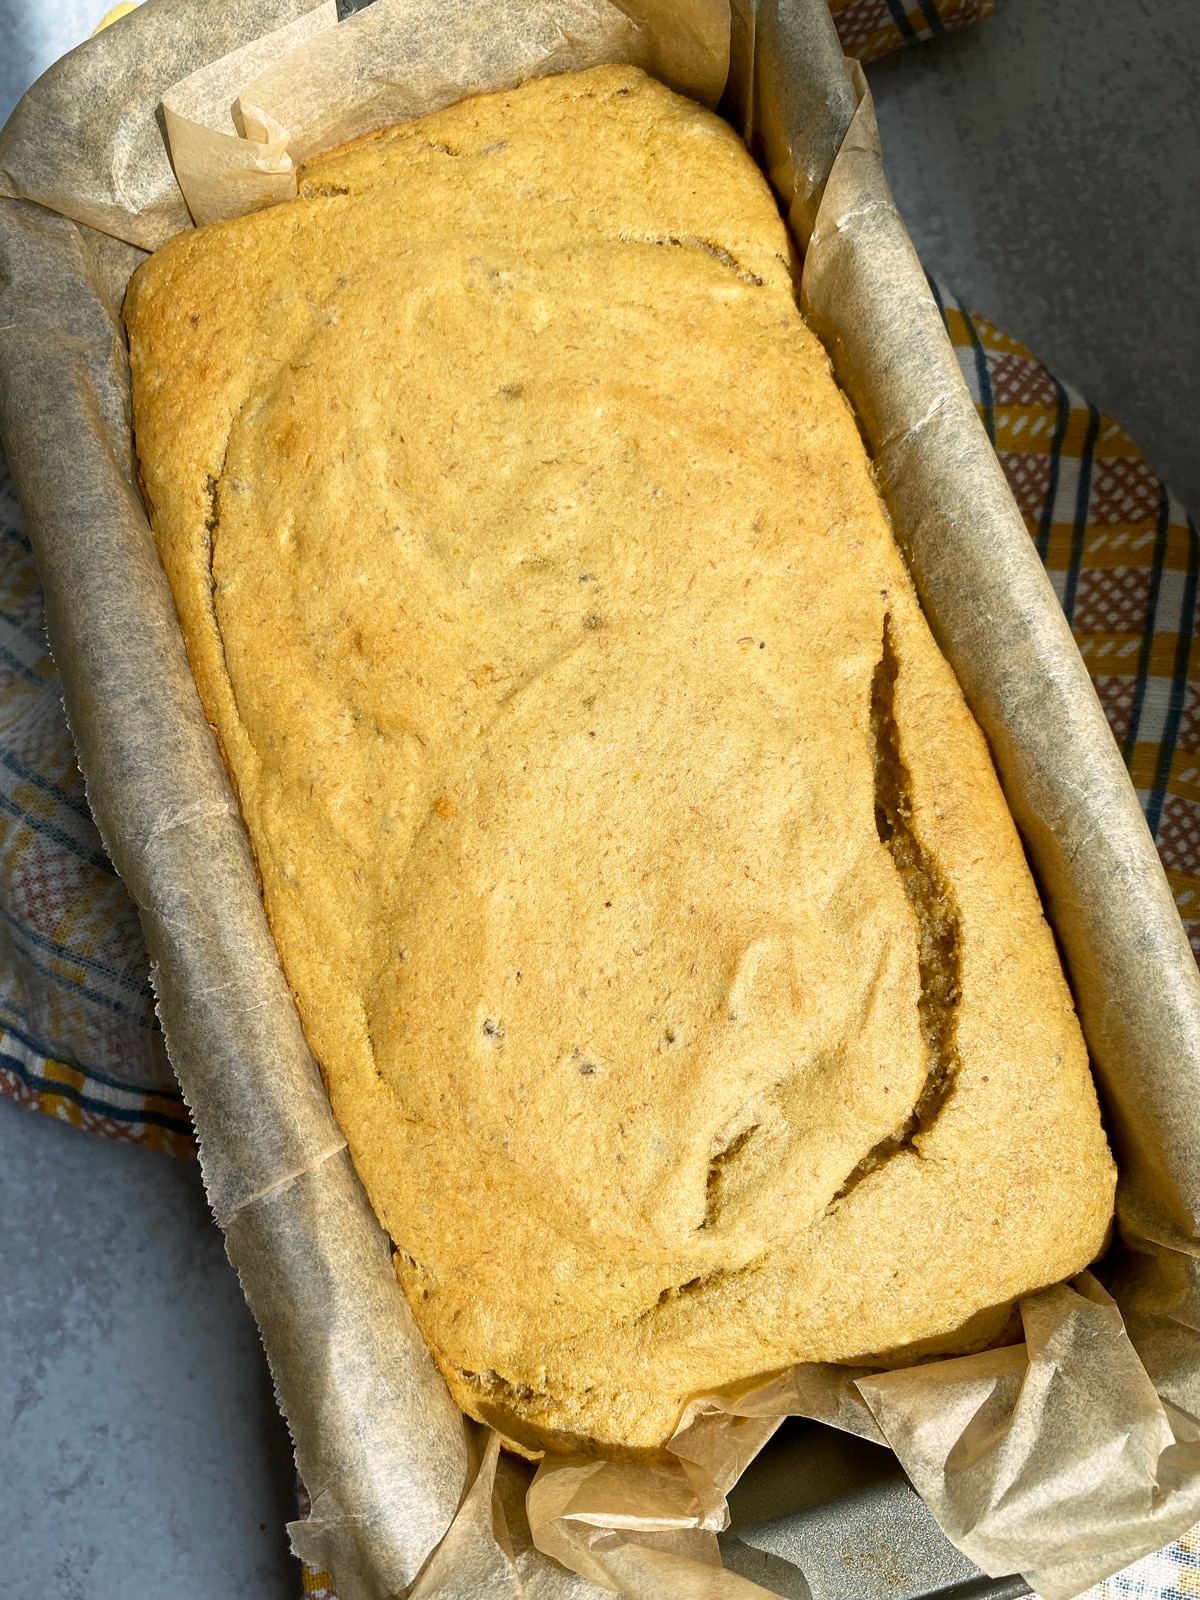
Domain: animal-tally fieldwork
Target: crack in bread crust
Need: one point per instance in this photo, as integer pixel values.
(938, 932)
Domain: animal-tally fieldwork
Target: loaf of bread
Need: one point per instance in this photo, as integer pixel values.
(643, 881)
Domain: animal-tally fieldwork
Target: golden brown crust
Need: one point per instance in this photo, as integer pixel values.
(643, 880)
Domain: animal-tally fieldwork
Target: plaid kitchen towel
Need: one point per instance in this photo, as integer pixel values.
(78, 1035)
(1170, 1574)
(1124, 560)
(869, 29)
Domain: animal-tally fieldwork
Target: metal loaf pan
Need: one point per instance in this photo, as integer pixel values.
(825, 1515)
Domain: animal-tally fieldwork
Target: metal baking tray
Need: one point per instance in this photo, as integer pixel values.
(824, 1515)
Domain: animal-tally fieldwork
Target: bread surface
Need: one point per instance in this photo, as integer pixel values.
(643, 881)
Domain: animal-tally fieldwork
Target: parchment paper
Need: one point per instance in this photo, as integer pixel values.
(378, 1441)
(1056, 1456)
(239, 127)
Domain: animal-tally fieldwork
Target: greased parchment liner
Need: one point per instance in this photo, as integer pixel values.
(1057, 1457)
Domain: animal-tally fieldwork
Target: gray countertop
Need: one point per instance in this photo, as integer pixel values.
(1048, 164)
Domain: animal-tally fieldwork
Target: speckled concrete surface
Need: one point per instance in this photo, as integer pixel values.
(141, 1453)
(1048, 164)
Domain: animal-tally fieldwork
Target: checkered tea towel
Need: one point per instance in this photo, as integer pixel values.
(78, 1035)
(869, 29)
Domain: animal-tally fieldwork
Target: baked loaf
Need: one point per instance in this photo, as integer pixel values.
(644, 883)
